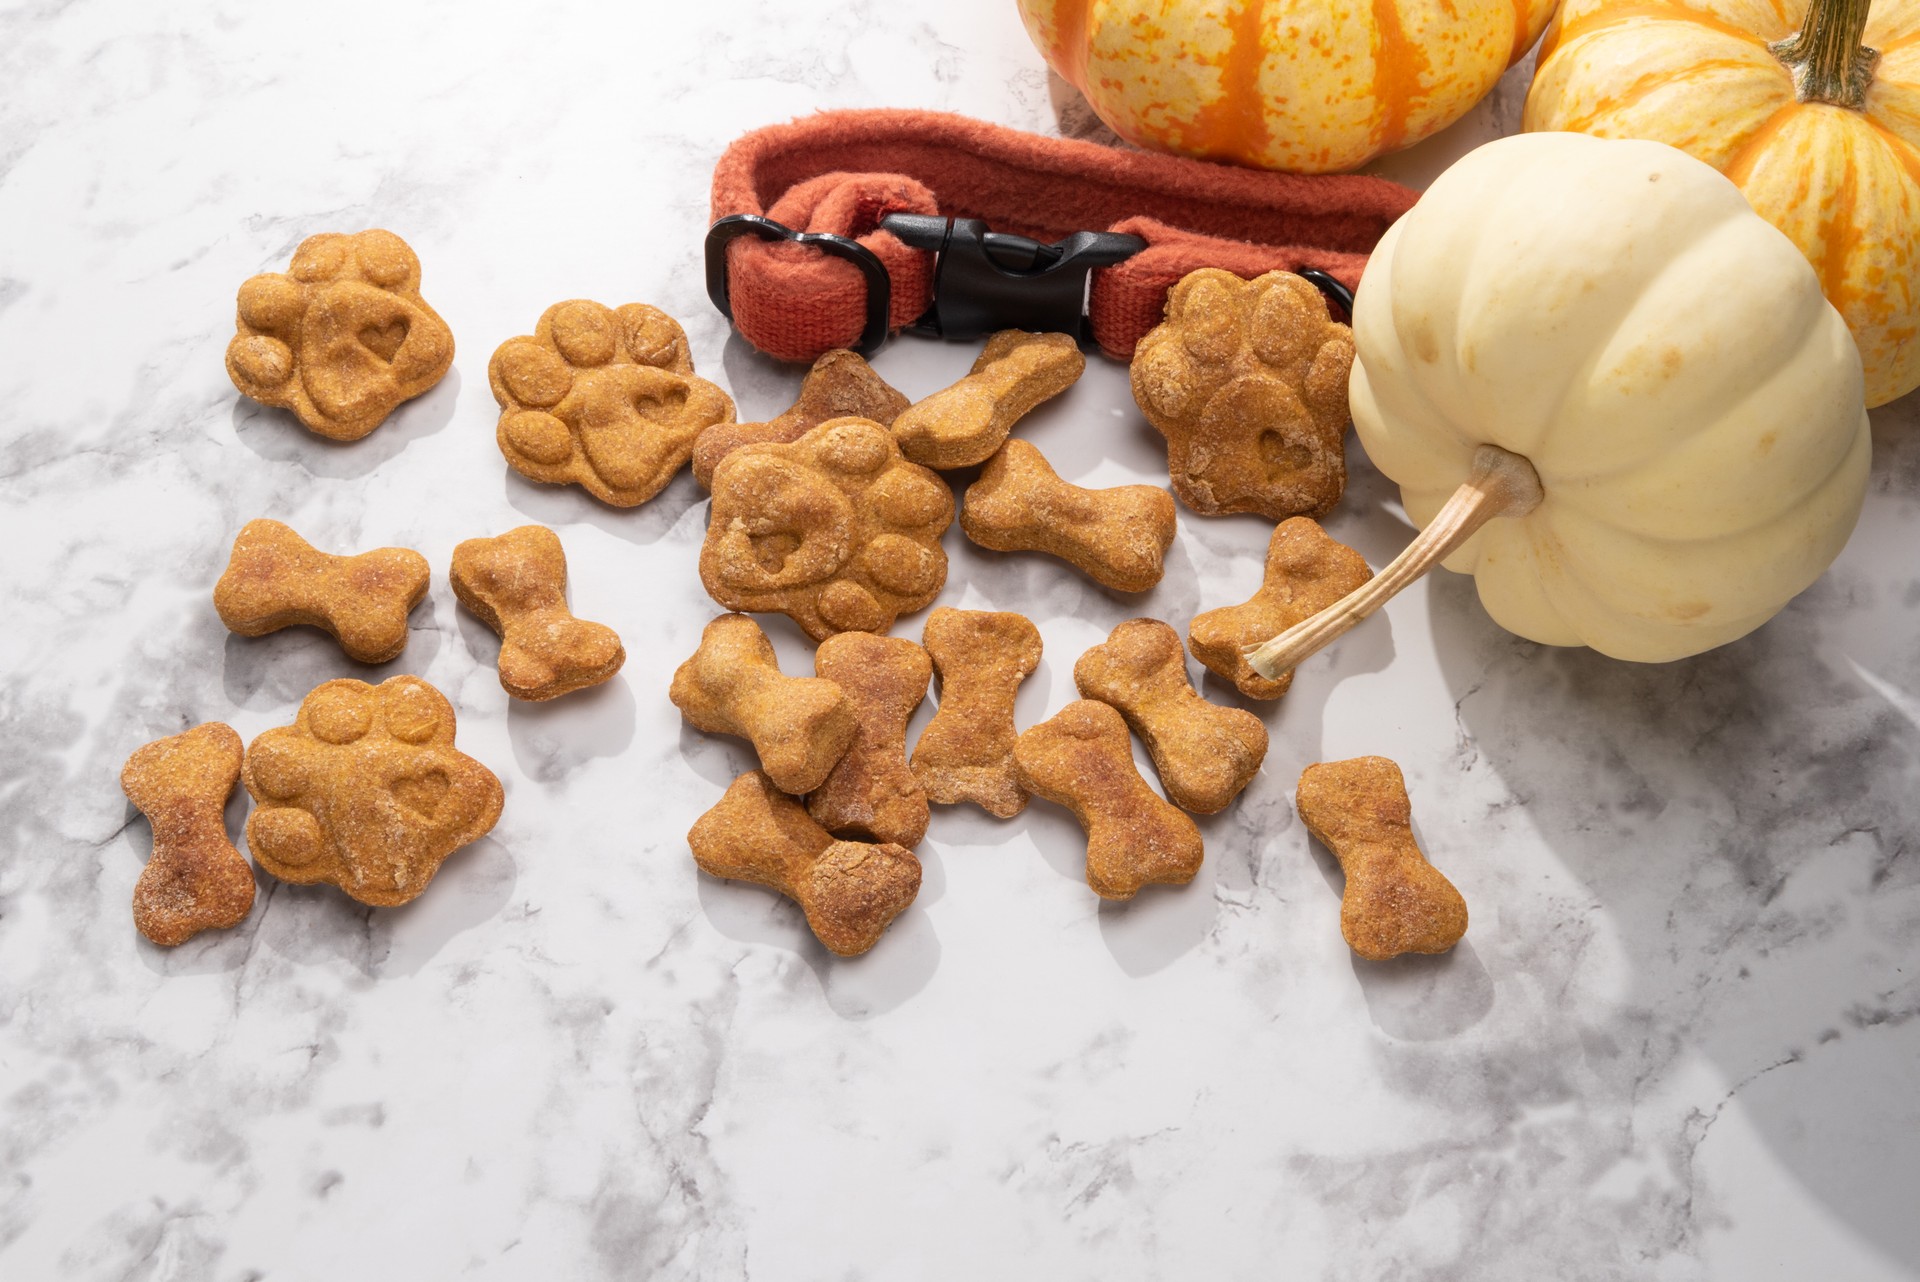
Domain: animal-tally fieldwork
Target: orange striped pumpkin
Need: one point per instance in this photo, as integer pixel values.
(1821, 135)
(1310, 86)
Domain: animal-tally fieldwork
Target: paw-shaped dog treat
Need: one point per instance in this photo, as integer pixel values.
(1395, 901)
(276, 579)
(365, 791)
(966, 751)
(967, 422)
(1307, 571)
(836, 530)
(343, 337)
(871, 791)
(517, 585)
(603, 399)
(800, 726)
(1247, 380)
(1205, 754)
(850, 891)
(195, 879)
(1117, 537)
(840, 385)
(1083, 759)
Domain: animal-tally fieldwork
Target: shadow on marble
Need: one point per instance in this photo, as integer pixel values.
(278, 435)
(1426, 998)
(563, 505)
(553, 739)
(1161, 924)
(279, 669)
(718, 759)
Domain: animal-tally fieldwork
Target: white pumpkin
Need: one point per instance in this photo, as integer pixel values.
(1616, 315)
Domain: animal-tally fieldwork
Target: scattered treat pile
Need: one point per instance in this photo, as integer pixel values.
(832, 513)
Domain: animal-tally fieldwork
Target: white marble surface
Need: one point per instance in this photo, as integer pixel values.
(1678, 1043)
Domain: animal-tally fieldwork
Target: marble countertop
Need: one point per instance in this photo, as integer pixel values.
(1678, 1042)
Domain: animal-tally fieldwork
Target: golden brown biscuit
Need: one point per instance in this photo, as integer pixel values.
(1247, 380)
(966, 751)
(276, 579)
(1083, 759)
(871, 791)
(343, 337)
(1118, 537)
(1307, 571)
(836, 530)
(195, 880)
(1395, 901)
(840, 385)
(517, 585)
(800, 726)
(964, 424)
(850, 891)
(365, 791)
(1205, 754)
(603, 399)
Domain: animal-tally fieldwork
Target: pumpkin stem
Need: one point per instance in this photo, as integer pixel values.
(1828, 62)
(1502, 483)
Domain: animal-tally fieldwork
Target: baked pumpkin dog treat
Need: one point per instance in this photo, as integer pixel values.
(1307, 571)
(850, 890)
(799, 726)
(275, 579)
(966, 751)
(840, 385)
(602, 398)
(195, 880)
(1118, 537)
(517, 585)
(871, 791)
(1083, 759)
(836, 531)
(1395, 901)
(1247, 380)
(343, 337)
(365, 791)
(1205, 754)
(964, 424)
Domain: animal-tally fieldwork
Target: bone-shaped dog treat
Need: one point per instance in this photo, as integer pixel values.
(966, 751)
(1307, 571)
(1205, 753)
(800, 726)
(871, 791)
(517, 585)
(840, 385)
(1083, 759)
(276, 579)
(964, 424)
(1395, 901)
(195, 879)
(850, 890)
(1117, 537)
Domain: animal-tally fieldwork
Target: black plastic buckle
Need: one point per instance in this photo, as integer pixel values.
(879, 284)
(988, 280)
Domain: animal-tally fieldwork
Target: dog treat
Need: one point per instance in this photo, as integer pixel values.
(343, 337)
(967, 422)
(850, 891)
(1205, 754)
(517, 585)
(836, 530)
(195, 880)
(1307, 571)
(1083, 759)
(871, 791)
(365, 791)
(840, 385)
(1247, 380)
(1117, 537)
(1395, 901)
(966, 751)
(800, 726)
(276, 579)
(602, 398)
